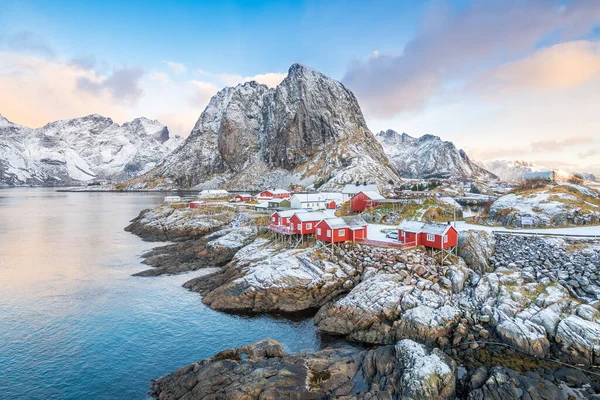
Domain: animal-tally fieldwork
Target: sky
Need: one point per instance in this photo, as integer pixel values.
(502, 79)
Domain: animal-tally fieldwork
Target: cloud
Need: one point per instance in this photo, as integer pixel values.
(35, 91)
(590, 153)
(559, 145)
(203, 91)
(85, 62)
(175, 67)
(28, 42)
(557, 67)
(271, 79)
(122, 84)
(451, 44)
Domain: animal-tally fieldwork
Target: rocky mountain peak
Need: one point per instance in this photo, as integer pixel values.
(307, 129)
(428, 157)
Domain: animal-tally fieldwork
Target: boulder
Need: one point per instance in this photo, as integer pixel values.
(476, 247)
(525, 336)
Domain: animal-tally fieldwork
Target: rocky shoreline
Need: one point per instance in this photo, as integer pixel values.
(502, 316)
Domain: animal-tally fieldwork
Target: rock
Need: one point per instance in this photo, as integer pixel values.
(428, 374)
(587, 312)
(476, 247)
(524, 335)
(262, 370)
(506, 384)
(166, 223)
(580, 339)
(426, 324)
(262, 278)
(478, 378)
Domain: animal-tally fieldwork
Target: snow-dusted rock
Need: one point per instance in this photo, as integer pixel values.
(80, 150)
(264, 278)
(580, 338)
(428, 157)
(428, 374)
(307, 130)
(166, 223)
(476, 247)
(524, 335)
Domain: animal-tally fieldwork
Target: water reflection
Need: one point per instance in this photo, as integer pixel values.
(75, 324)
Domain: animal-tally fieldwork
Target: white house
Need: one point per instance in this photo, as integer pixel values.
(316, 201)
(351, 189)
(206, 194)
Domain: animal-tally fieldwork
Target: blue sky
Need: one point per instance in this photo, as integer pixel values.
(500, 78)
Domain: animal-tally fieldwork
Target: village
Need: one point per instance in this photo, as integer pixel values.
(331, 218)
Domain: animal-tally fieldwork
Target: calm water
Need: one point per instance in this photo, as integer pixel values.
(75, 324)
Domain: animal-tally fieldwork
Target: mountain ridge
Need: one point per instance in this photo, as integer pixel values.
(78, 150)
(429, 156)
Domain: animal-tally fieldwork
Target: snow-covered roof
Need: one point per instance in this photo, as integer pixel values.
(411, 226)
(243, 195)
(280, 191)
(289, 213)
(353, 189)
(262, 204)
(278, 200)
(424, 227)
(345, 222)
(311, 216)
(315, 197)
(373, 195)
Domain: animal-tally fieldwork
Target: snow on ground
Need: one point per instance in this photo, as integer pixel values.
(577, 230)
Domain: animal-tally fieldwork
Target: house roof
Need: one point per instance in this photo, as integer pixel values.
(311, 216)
(262, 204)
(315, 197)
(278, 200)
(373, 195)
(289, 213)
(280, 191)
(356, 222)
(243, 195)
(424, 227)
(353, 189)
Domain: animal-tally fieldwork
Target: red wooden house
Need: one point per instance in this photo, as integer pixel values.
(282, 218)
(265, 195)
(281, 194)
(437, 236)
(243, 197)
(342, 229)
(361, 200)
(305, 223)
(197, 204)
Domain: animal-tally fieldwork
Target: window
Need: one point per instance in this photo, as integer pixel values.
(328, 233)
(308, 226)
(341, 233)
(318, 231)
(273, 219)
(430, 237)
(445, 238)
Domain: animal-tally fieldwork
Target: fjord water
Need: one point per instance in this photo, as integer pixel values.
(75, 324)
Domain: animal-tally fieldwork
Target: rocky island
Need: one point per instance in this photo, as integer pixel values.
(510, 316)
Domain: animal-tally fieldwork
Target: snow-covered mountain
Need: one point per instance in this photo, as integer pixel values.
(514, 170)
(81, 149)
(429, 157)
(308, 130)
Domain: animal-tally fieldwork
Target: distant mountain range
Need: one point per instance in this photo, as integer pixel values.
(308, 131)
(429, 157)
(81, 150)
(514, 170)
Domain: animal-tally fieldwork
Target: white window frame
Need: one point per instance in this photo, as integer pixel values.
(342, 233)
(318, 231)
(308, 225)
(445, 238)
(430, 237)
(273, 219)
(328, 233)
